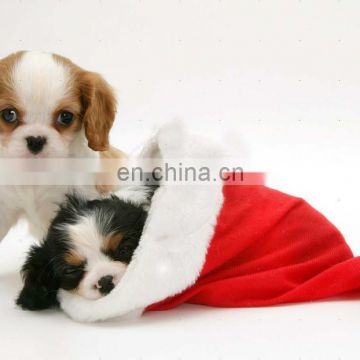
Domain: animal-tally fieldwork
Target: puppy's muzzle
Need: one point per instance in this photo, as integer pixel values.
(35, 144)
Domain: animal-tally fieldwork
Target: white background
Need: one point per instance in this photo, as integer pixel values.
(278, 82)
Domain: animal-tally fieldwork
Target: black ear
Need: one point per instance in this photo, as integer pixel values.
(40, 285)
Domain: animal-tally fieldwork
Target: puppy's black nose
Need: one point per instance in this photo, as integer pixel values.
(35, 143)
(106, 284)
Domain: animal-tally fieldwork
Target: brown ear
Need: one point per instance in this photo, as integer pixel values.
(99, 109)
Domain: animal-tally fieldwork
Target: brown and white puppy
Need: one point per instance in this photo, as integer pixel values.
(49, 108)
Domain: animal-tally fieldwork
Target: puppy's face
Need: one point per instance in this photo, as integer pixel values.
(87, 250)
(45, 102)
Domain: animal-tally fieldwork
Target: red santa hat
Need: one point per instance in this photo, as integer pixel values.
(223, 245)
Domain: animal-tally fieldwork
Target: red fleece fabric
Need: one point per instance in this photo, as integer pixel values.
(270, 248)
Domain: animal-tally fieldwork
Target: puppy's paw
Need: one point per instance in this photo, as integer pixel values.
(36, 298)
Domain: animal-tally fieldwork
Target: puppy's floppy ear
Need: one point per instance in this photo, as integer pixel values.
(99, 109)
(40, 285)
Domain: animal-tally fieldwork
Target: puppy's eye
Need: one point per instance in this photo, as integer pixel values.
(9, 115)
(71, 270)
(65, 118)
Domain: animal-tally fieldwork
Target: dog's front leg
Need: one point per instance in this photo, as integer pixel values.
(8, 218)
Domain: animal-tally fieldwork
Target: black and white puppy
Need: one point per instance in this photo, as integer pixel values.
(87, 248)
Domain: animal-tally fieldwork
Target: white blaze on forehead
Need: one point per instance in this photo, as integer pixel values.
(85, 235)
(40, 83)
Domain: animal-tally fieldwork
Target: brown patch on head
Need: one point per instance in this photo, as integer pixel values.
(8, 98)
(112, 241)
(6, 74)
(98, 103)
(73, 258)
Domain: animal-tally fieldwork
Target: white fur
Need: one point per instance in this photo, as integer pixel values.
(40, 83)
(135, 194)
(173, 246)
